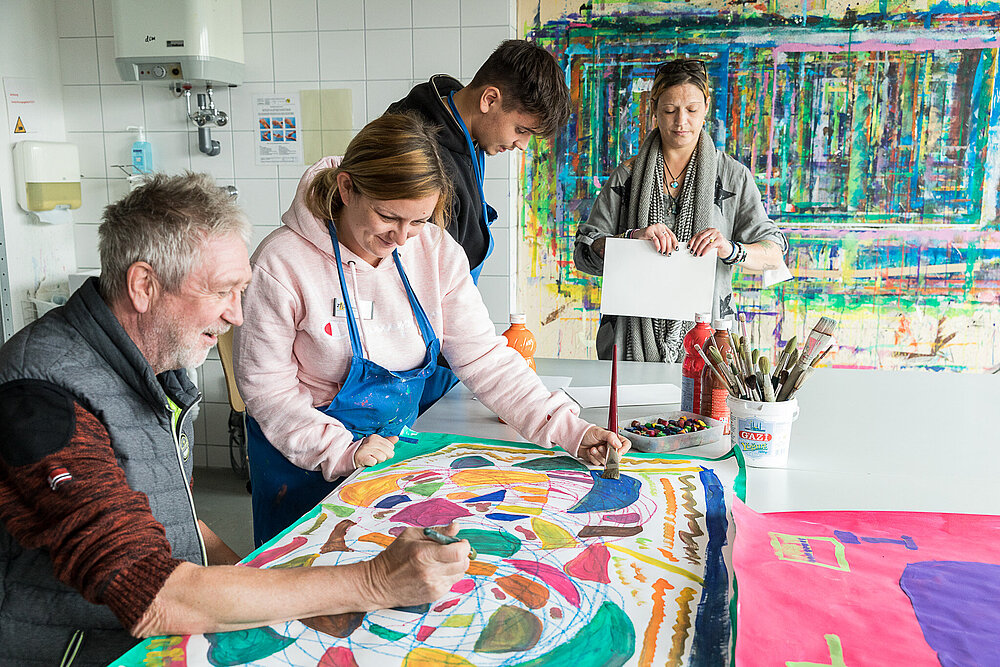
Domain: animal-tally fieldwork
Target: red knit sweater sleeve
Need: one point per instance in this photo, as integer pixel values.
(72, 499)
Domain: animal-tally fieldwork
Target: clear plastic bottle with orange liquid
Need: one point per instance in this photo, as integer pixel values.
(519, 338)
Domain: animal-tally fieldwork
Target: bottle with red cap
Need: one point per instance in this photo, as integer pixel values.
(693, 363)
(519, 338)
(713, 391)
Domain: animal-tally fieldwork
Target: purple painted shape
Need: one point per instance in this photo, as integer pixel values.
(631, 517)
(553, 578)
(433, 512)
(955, 603)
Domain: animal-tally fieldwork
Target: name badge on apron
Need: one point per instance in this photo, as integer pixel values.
(365, 309)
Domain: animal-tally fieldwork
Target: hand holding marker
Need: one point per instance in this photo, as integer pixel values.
(441, 538)
(748, 374)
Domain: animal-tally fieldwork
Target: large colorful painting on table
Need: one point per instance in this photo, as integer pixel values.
(871, 130)
(867, 588)
(571, 568)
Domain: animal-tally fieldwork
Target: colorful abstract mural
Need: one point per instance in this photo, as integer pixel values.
(571, 568)
(873, 132)
(926, 584)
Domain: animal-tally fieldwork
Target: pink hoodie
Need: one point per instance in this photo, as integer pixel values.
(292, 354)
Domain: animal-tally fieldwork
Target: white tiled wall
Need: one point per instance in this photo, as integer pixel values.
(377, 48)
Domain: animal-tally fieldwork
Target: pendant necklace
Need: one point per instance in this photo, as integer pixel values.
(673, 179)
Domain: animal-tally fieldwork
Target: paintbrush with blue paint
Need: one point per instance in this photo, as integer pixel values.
(613, 458)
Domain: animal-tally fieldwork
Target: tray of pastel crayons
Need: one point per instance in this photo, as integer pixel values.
(672, 431)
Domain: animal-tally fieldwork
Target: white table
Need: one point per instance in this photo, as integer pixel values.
(865, 440)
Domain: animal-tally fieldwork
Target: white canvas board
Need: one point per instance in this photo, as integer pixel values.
(628, 394)
(555, 382)
(551, 382)
(641, 282)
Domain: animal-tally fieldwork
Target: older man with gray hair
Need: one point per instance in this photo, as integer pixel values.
(99, 539)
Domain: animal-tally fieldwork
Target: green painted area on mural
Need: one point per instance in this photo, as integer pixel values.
(425, 489)
(608, 640)
(458, 621)
(552, 463)
(509, 629)
(339, 510)
(242, 646)
(493, 542)
(385, 633)
(316, 524)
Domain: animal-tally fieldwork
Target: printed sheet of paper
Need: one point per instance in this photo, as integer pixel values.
(639, 281)
(573, 569)
(278, 139)
(628, 394)
(814, 586)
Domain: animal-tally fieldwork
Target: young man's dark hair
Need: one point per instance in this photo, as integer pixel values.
(530, 80)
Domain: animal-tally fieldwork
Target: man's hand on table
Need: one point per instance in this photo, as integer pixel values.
(594, 447)
(414, 569)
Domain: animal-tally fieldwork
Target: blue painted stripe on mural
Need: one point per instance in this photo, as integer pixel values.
(501, 516)
(711, 625)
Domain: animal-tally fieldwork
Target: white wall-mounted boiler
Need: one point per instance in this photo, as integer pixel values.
(179, 40)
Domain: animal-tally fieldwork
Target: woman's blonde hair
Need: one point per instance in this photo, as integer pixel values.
(678, 72)
(393, 157)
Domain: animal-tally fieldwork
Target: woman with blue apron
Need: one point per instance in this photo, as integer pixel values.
(443, 379)
(372, 400)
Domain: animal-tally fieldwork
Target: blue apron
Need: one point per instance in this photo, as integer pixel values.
(371, 400)
(443, 379)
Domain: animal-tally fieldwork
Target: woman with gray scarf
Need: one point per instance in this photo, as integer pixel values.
(682, 194)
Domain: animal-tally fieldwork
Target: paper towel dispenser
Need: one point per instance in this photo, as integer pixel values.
(47, 179)
(179, 40)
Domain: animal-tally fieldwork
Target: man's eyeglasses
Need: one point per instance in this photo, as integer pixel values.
(691, 65)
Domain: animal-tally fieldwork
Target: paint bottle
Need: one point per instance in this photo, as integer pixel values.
(693, 363)
(519, 338)
(713, 391)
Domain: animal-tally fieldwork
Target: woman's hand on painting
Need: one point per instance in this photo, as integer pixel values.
(662, 237)
(707, 239)
(594, 447)
(374, 449)
(415, 569)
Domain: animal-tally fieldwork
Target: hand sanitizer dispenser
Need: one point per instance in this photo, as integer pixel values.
(47, 179)
(142, 152)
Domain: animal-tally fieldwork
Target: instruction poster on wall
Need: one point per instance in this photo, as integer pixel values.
(22, 105)
(278, 138)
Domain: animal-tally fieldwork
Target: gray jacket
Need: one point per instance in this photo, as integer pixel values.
(738, 213)
(82, 348)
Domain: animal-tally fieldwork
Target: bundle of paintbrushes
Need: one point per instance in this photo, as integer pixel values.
(750, 376)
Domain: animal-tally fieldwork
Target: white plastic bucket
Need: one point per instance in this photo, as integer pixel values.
(762, 430)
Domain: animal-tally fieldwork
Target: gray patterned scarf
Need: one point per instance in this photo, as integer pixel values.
(642, 338)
